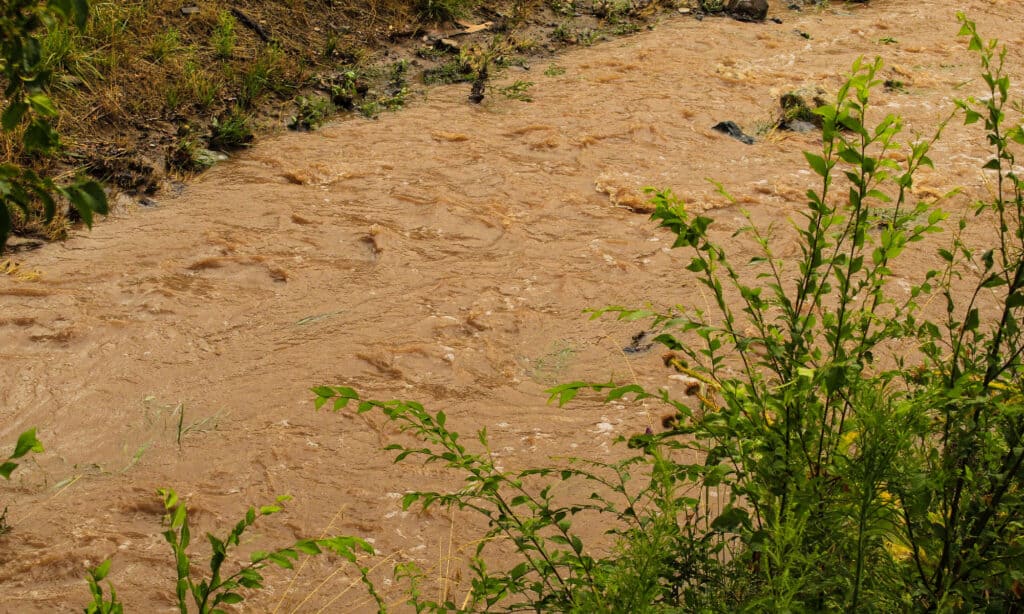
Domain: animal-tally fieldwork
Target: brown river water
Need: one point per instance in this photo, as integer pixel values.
(443, 254)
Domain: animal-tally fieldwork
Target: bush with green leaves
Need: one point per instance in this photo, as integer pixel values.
(30, 115)
(209, 594)
(856, 449)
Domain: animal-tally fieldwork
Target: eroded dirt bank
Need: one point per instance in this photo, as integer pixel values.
(442, 254)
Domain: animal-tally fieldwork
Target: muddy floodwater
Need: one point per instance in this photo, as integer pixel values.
(443, 254)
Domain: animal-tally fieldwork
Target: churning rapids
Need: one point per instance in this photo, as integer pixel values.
(443, 254)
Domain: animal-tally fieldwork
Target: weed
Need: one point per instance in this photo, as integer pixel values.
(311, 113)
(369, 109)
(395, 101)
(554, 70)
(520, 90)
(232, 131)
(208, 594)
(454, 71)
(432, 53)
(172, 98)
(566, 8)
(203, 88)
(625, 27)
(164, 45)
(347, 90)
(264, 75)
(444, 10)
(587, 37)
(223, 37)
(563, 34)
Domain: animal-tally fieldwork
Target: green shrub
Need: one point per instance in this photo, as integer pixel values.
(853, 450)
(29, 113)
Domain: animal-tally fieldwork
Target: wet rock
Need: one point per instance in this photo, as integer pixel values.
(797, 125)
(747, 10)
(639, 343)
(147, 202)
(205, 158)
(730, 128)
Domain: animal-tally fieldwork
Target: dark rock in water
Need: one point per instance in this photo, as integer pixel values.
(776, 20)
(734, 131)
(747, 10)
(797, 125)
(145, 201)
(641, 342)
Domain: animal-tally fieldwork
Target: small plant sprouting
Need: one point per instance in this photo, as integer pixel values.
(520, 90)
(554, 70)
(209, 593)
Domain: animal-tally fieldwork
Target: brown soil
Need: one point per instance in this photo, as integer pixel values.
(442, 254)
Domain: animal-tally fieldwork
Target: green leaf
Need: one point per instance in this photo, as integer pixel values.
(7, 468)
(42, 105)
(27, 442)
(730, 519)
(307, 547)
(13, 114)
(101, 570)
(40, 137)
(230, 598)
(972, 320)
(817, 163)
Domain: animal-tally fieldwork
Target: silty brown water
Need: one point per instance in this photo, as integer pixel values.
(443, 254)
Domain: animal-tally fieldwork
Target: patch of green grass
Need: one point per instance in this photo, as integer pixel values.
(232, 131)
(223, 37)
(454, 71)
(263, 76)
(554, 70)
(164, 45)
(444, 10)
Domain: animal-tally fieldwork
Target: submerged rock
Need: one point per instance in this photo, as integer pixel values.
(747, 10)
